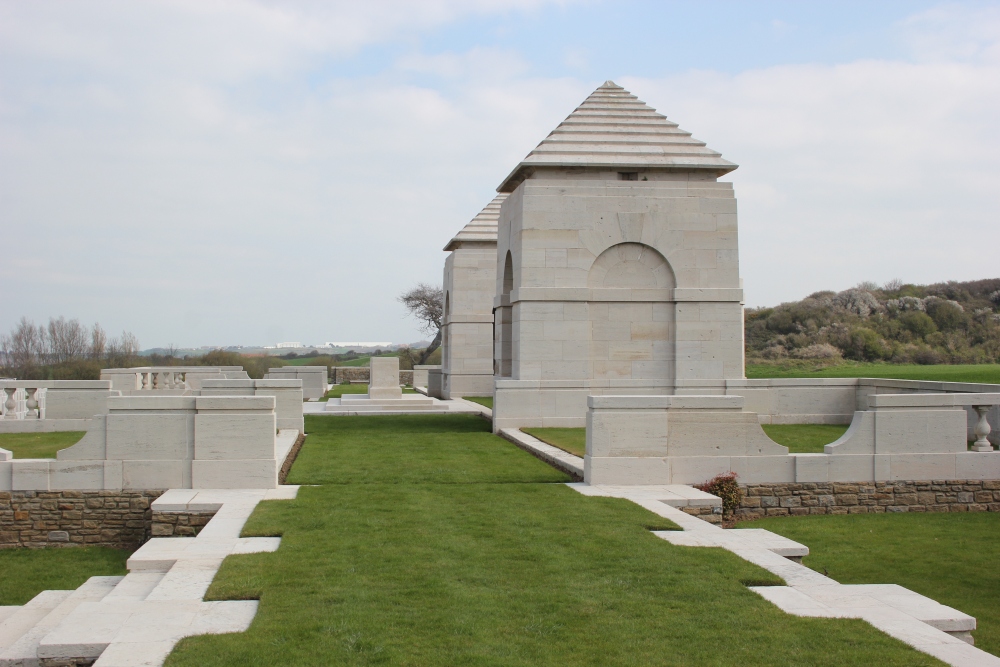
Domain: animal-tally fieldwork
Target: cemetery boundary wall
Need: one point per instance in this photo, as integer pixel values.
(342, 374)
(799, 499)
(34, 519)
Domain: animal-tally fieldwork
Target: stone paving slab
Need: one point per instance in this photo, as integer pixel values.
(24, 651)
(919, 621)
(27, 615)
(675, 495)
(137, 619)
(334, 407)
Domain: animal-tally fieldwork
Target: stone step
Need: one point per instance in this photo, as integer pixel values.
(24, 651)
(21, 621)
(7, 612)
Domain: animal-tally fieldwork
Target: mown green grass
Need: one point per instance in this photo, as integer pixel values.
(510, 569)
(804, 438)
(979, 373)
(394, 449)
(572, 440)
(24, 573)
(486, 401)
(39, 445)
(948, 557)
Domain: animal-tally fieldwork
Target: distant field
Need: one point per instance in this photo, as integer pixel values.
(986, 373)
(324, 360)
(361, 361)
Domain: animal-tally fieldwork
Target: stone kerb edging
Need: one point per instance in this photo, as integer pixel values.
(924, 624)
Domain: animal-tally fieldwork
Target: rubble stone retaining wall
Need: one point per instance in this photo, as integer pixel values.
(36, 519)
(341, 374)
(178, 524)
(760, 500)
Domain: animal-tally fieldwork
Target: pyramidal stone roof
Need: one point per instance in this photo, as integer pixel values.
(482, 228)
(615, 129)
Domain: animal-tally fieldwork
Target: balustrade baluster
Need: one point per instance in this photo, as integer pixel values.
(31, 403)
(10, 405)
(982, 444)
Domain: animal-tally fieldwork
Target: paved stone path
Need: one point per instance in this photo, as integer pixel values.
(922, 623)
(136, 620)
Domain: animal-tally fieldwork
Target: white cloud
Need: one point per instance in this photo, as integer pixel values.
(869, 170)
(167, 165)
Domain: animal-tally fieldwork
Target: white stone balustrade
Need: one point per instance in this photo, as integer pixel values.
(23, 399)
(690, 438)
(168, 380)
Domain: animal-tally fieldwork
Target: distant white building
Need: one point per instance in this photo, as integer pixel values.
(383, 344)
(292, 345)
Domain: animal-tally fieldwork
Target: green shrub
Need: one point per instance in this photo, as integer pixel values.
(918, 323)
(947, 316)
(863, 344)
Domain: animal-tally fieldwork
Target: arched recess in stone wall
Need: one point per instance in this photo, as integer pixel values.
(631, 266)
(508, 275)
(506, 360)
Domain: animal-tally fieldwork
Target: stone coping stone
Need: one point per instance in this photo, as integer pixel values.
(138, 403)
(57, 384)
(234, 403)
(666, 402)
(658, 385)
(932, 400)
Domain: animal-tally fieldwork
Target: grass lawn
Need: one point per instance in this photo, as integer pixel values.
(572, 440)
(986, 373)
(28, 572)
(38, 445)
(486, 401)
(948, 557)
(339, 390)
(411, 566)
(804, 438)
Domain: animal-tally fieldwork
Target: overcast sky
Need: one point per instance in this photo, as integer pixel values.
(209, 172)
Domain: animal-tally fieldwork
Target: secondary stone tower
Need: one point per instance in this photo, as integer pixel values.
(617, 265)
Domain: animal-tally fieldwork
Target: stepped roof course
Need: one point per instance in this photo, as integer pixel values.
(482, 228)
(613, 129)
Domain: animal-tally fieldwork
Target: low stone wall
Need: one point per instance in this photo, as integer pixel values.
(760, 500)
(705, 513)
(342, 374)
(34, 519)
(178, 524)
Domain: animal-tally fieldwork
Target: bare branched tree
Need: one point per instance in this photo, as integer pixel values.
(34, 352)
(98, 342)
(426, 303)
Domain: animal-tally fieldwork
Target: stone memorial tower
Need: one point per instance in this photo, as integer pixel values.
(470, 274)
(617, 265)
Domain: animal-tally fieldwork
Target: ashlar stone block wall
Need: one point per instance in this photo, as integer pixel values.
(609, 286)
(467, 332)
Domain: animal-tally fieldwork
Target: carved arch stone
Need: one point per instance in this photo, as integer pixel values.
(631, 266)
